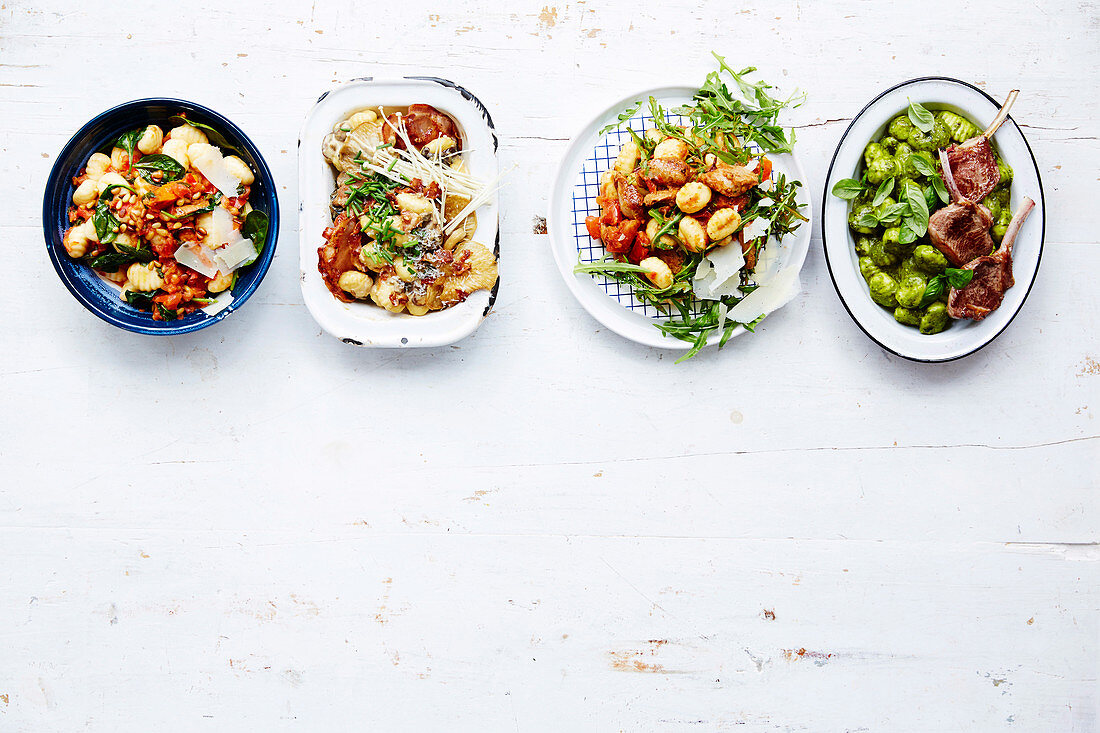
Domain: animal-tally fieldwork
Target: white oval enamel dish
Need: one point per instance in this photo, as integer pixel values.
(963, 337)
(361, 323)
(573, 198)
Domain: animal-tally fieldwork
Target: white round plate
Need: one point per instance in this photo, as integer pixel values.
(574, 197)
(365, 324)
(963, 337)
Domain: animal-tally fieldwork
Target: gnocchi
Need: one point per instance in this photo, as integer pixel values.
(723, 223)
(693, 235)
(693, 197)
(410, 238)
(657, 272)
(151, 229)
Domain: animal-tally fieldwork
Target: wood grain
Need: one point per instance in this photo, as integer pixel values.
(545, 527)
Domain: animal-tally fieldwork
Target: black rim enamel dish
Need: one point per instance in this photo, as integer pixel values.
(827, 194)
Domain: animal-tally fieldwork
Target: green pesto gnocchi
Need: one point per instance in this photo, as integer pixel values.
(900, 176)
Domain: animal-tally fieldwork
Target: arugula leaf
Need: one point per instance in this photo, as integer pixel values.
(883, 191)
(933, 290)
(623, 117)
(941, 189)
(957, 278)
(129, 140)
(847, 188)
(166, 164)
(921, 118)
(923, 164)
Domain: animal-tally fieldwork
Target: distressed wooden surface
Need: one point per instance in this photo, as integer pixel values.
(545, 527)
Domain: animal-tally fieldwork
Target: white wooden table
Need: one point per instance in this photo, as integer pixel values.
(545, 527)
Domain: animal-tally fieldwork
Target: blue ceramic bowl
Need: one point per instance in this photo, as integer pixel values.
(92, 291)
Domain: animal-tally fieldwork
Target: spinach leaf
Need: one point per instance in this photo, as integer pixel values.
(255, 228)
(166, 164)
(104, 220)
(210, 206)
(883, 191)
(215, 137)
(129, 140)
(141, 300)
(847, 188)
(111, 261)
(921, 118)
(957, 278)
(933, 290)
(166, 313)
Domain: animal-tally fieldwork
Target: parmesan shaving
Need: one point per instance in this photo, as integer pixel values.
(211, 164)
(235, 255)
(197, 257)
(221, 229)
(224, 299)
(767, 298)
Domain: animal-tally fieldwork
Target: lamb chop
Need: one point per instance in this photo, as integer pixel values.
(969, 169)
(992, 275)
(961, 232)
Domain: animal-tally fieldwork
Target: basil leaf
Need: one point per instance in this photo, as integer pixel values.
(847, 188)
(921, 118)
(909, 231)
(923, 164)
(941, 189)
(129, 140)
(933, 290)
(883, 191)
(141, 300)
(159, 162)
(867, 220)
(918, 205)
(893, 213)
(958, 279)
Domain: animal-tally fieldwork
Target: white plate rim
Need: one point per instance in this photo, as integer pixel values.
(825, 226)
(379, 328)
(605, 310)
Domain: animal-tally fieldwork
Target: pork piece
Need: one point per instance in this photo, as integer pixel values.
(423, 124)
(667, 196)
(730, 180)
(992, 275)
(971, 169)
(961, 232)
(668, 172)
(340, 253)
(631, 201)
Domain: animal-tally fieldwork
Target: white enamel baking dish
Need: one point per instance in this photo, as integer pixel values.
(365, 324)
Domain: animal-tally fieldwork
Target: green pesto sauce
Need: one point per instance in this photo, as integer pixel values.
(897, 273)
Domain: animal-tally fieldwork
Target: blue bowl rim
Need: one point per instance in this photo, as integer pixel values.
(231, 131)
